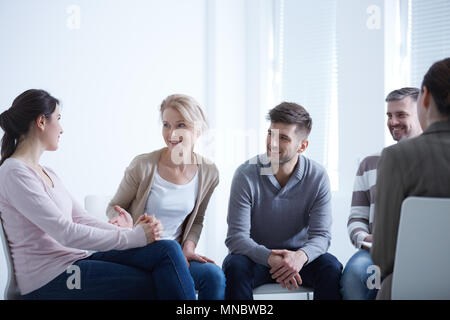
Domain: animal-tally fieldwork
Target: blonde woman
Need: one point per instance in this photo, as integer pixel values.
(175, 185)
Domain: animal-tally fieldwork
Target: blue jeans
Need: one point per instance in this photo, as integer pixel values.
(156, 271)
(354, 278)
(243, 275)
(209, 280)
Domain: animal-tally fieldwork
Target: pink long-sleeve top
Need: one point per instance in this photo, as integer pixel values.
(47, 229)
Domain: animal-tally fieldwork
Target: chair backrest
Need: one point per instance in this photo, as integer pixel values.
(11, 290)
(422, 258)
(96, 205)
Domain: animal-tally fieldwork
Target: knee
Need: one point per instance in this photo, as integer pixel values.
(330, 266)
(360, 259)
(170, 247)
(235, 262)
(236, 266)
(357, 266)
(350, 275)
(215, 275)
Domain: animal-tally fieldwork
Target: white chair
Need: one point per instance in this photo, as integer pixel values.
(422, 258)
(274, 290)
(96, 205)
(11, 289)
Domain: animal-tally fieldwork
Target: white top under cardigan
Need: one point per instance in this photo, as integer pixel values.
(171, 203)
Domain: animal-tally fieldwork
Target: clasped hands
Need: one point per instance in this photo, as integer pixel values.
(152, 226)
(285, 267)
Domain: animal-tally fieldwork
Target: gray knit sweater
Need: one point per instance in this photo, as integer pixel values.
(262, 215)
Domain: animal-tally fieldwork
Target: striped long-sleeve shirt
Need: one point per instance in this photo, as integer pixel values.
(360, 221)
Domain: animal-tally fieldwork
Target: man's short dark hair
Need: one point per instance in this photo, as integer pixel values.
(402, 93)
(291, 113)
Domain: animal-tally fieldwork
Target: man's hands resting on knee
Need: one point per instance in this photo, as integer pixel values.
(285, 267)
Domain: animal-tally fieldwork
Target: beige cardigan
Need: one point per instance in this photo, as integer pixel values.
(136, 184)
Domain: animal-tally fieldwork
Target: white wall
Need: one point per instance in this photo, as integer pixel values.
(111, 75)
(361, 104)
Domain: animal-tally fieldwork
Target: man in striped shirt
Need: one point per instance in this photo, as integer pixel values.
(403, 123)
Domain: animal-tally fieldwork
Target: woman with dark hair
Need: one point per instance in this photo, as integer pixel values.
(48, 232)
(416, 167)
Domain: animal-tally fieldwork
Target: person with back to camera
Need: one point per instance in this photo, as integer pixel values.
(175, 184)
(48, 231)
(417, 167)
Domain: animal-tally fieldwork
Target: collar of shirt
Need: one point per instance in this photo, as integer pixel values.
(438, 127)
(296, 177)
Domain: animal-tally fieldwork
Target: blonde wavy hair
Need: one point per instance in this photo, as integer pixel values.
(189, 109)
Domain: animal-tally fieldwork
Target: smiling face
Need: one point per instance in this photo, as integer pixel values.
(284, 142)
(177, 133)
(403, 122)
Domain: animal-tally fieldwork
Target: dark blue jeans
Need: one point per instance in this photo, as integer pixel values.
(156, 271)
(209, 280)
(243, 275)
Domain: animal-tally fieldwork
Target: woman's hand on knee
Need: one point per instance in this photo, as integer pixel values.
(190, 255)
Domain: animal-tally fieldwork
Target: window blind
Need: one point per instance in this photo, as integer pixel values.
(309, 72)
(430, 35)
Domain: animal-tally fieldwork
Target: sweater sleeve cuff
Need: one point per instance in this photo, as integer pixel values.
(311, 252)
(193, 236)
(137, 237)
(360, 236)
(260, 255)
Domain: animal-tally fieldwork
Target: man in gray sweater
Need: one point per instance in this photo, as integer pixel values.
(279, 215)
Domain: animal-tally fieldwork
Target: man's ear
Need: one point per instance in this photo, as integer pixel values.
(303, 146)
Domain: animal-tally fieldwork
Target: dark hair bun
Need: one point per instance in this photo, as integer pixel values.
(15, 121)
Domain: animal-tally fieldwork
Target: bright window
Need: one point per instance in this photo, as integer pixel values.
(308, 73)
